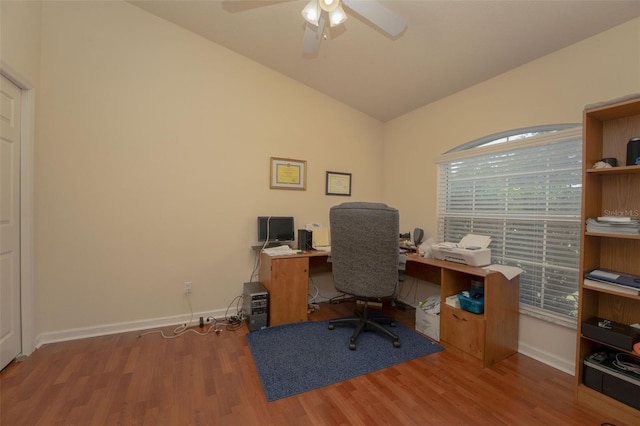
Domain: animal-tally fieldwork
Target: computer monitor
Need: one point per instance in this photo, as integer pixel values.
(275, 228)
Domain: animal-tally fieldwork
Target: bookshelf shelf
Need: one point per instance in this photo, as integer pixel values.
(611, 291)
(621, 236)
(615, 170)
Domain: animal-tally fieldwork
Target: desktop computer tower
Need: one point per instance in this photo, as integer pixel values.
(256, 306)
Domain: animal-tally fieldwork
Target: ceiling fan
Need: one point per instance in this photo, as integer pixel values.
(318, 11)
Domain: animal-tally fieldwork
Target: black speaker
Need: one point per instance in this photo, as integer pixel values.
(633, 152)
(305, 240)
(418, 235)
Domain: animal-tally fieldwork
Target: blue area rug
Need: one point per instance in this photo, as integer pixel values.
(298, 357)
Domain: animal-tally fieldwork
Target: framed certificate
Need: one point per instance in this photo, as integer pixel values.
(287, 173)
(338, 183)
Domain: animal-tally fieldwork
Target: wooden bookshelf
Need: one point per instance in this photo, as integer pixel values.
(615, 191)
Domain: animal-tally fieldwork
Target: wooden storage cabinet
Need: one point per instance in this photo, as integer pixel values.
(286, 279)
(483, 339)
(615, 191)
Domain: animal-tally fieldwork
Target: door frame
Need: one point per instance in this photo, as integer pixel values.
(27, 139)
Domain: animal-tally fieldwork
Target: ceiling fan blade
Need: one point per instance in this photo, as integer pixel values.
(312, 37)
(379, 15)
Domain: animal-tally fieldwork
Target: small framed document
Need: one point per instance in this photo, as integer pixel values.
(338, 183)
(287, 173)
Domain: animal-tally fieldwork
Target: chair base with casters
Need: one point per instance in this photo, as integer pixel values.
(364, 322)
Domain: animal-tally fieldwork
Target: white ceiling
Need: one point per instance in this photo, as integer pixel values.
(448, 45)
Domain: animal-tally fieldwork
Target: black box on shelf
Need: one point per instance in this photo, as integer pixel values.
(612, 333)
(602, 374)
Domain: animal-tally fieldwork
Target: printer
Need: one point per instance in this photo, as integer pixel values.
(472, 250)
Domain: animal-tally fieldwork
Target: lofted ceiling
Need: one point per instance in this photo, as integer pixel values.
(448, 46)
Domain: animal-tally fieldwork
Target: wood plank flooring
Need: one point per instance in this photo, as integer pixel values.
(211, 380)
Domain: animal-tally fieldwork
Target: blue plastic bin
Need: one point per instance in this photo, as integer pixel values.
(474, 302)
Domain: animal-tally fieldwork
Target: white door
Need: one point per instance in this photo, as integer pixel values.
(10, 330)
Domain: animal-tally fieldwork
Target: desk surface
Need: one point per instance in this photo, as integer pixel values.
(307, 253)
(411, 257)
(480, 271)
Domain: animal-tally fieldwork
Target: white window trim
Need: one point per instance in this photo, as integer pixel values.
(539, 140)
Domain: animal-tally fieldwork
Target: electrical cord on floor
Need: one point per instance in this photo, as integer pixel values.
(318, 298)
(236, 321)
(313, 299)
(230, 322)
(183, 329)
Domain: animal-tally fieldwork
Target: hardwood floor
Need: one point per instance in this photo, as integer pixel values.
(211, 380)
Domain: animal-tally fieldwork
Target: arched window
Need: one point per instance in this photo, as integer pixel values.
(523, 189)
(513, 135)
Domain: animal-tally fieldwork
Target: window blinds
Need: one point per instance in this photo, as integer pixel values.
(525, 195)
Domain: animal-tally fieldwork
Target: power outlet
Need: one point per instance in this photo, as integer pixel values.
(187, 287)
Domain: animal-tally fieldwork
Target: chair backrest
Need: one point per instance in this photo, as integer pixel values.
(364, 248)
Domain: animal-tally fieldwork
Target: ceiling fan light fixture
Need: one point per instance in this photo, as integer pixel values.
(337, 16)
(329, 5)
(311, 12)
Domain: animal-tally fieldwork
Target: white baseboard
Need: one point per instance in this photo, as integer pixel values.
(103, 330)
(548, 359)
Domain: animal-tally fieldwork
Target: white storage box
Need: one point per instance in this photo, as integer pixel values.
(453, 301)
(428, 324)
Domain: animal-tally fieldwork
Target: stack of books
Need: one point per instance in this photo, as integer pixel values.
(614, 281)
(625, 225)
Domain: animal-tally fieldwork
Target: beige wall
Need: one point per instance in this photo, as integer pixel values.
(153, 164)
(20, 39)
(553, 89)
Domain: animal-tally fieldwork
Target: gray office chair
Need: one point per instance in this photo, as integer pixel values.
(364, 257)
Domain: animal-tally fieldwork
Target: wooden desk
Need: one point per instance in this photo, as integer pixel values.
(481, 338)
